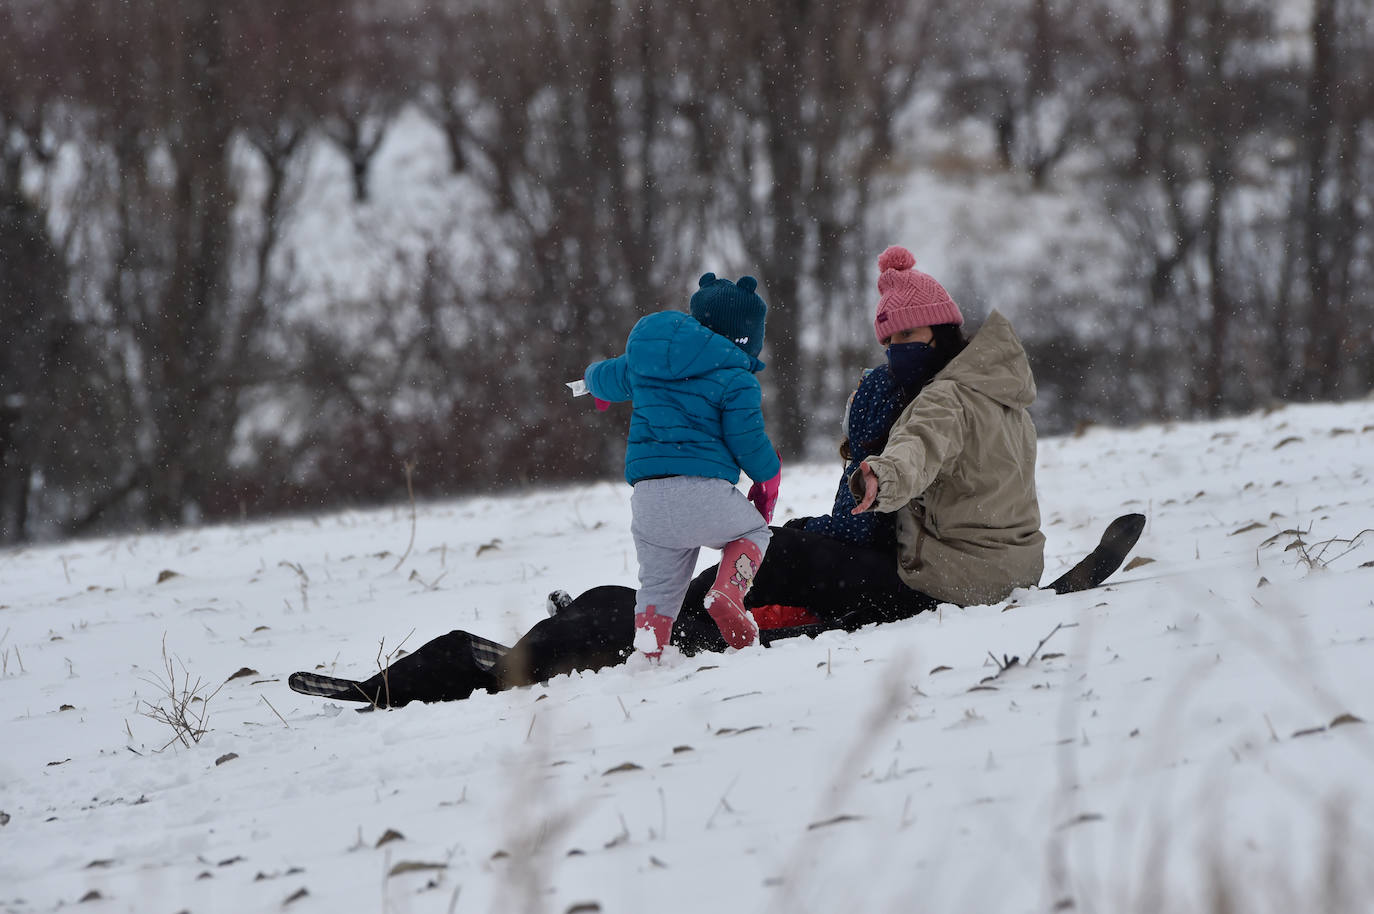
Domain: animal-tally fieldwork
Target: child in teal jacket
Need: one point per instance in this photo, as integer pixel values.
(697, 421)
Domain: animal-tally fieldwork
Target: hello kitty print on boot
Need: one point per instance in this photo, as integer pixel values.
(739, 562)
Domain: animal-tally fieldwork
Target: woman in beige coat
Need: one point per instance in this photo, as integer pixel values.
(958, 467)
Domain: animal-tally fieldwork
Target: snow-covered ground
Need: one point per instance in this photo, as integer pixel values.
(1185, 738)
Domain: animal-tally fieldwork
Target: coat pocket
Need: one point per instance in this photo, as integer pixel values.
(911, 536)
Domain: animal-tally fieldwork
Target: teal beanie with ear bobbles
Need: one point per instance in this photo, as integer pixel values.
(732, 309)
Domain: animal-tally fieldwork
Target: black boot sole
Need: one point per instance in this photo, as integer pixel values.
(1118, 540)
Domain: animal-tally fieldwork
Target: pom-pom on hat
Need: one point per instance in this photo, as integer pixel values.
(731, 309)
(909, 298)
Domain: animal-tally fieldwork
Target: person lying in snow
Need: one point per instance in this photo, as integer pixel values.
(936, 504)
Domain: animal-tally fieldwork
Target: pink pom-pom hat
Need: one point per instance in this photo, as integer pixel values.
(909, 298)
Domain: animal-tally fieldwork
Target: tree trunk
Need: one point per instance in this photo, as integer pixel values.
(1320, 353)
(33, 300)
(186, 355)
(784, 87)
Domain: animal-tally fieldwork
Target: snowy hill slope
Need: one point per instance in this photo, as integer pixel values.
(1190, 736)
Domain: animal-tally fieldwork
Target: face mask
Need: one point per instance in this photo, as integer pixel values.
(913, 364)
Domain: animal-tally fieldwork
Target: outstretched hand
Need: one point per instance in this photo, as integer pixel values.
(870, 488)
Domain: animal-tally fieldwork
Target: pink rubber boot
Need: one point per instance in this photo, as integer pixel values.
(739, 562)
(652, 632)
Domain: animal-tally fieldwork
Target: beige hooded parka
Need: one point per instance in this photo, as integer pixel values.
(959, 471)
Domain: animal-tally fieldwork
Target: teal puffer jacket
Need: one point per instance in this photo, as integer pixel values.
(697, 405)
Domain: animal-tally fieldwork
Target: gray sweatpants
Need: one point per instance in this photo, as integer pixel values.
(671, 519)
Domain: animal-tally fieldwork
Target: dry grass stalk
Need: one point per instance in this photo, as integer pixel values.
(183, 705)
(384, 658)
(410, 492)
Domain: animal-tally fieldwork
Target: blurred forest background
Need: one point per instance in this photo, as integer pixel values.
(271, 255)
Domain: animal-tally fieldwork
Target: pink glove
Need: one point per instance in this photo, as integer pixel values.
(602, 405)
(764, 495)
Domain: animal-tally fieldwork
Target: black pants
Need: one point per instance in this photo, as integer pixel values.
(845, 586)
